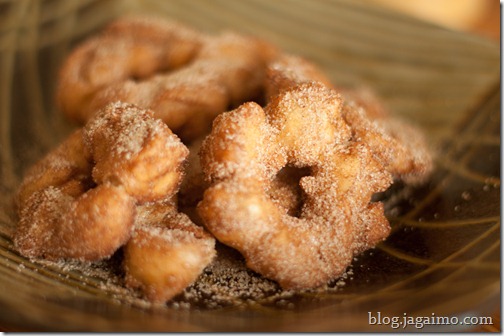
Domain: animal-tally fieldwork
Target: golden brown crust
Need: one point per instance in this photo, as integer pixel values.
(400, 146)
(113, 183)
(54, 225)
(228, 70)
(130, 47)
(79, 201)
(133, 149)
(167, 252)
(207, 74)
(62, 211)
(242, 156)
(68, 166)
(287, 71)
(344, 151)
(288, 184)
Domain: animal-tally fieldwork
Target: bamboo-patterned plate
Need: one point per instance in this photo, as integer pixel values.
(443, 257)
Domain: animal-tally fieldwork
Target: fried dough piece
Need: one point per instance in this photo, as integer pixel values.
(287, 71)
(400, 146)
(241, 158)
(167, 252)
(62, 211)
(228, 70)
(135, 150)
(185, 76)
(130, 47)
(79, 201)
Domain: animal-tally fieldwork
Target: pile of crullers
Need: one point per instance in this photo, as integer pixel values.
(253, 145)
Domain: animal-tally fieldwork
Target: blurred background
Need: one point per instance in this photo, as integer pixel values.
(481, 17)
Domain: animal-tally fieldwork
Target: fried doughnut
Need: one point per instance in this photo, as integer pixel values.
(186, 77)
(62, 211)
(228, 70)
(166, 253)
(79, 201)
(130, 47)
(67, 167)
(301, 127)
(284, 189)
(133, 149)
(400, 146)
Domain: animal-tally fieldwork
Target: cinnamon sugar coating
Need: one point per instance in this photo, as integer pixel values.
(287, 71)
(130, 47)
(62, 211)
(301, 127)
(186, 90)
(79, 201)
(288, 184)
(166, 253)
(228, 70)
(107, 186)
(135, 150)
(303, 231)
(400, 147)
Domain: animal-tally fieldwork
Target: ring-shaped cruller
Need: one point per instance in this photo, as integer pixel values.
(300, 127)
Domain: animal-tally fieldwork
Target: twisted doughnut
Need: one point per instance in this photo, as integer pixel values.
(228, 70)
(301, 127)
(62, 212)
(133, 149)
(207, 76)
(130, 47)
(79, 201)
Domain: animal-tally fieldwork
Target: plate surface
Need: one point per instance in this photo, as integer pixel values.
(443, 257)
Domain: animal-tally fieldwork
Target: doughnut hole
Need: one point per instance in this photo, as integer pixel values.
(286, 191)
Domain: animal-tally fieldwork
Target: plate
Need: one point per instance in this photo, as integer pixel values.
(438, 271)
